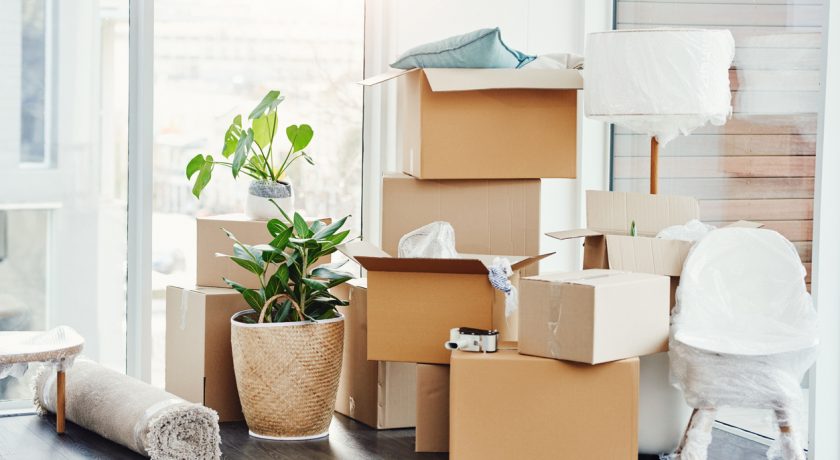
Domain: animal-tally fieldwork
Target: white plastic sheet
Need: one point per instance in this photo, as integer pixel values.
(661, 82)
(58, 346)
(434, 241)
(692, 230)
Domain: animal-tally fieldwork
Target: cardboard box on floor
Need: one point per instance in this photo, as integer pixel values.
(377, 393)
(211, 240)
(508, 405)
(199, 364)
(432, 433)
(489, 216)
(593, 316)
(486, 123)
(607, 240)
(413, 303)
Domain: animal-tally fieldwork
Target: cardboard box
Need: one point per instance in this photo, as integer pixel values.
(607, 240)
(593, 316)
(507, 405)
(432, 433)
(211, 240)
(413, 303)
(377, 393)
(486, 123)
(199, 364)
(489, 216)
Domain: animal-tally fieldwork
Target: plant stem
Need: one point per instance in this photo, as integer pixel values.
(271, 131)
(284, 165)
(265, 160)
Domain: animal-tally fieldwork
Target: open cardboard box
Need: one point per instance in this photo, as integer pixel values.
(486, 123)
(607, 240)
(413, 303)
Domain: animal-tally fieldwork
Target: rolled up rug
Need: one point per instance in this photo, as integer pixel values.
(130, 412)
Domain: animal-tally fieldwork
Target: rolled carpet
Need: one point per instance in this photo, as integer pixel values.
(130, 412)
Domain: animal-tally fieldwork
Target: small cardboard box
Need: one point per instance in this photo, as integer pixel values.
(432, 434)
(489, 216)
(607, 240)
(486, 123)
(507, 405)
(211, 240)
(377, 393)
(413, 303)
(199, 364)
(593, 316)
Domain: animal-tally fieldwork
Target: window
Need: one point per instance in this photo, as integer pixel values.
(760, 165)
(215, 59)
(33, 69)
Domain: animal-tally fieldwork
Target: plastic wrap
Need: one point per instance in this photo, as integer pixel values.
(744, 329)
(58, 346)
(661, 82)
(434, 241)
(693, 230)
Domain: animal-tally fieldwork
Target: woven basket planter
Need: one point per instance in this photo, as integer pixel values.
(287, 375)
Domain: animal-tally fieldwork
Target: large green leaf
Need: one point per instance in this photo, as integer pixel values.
(301, 229)
(195, 165)
(248, 264)
(243, 149)
(299, 136)
(232, 135)
(282, 274)
(264, 128)
(204, 175)
(251, 296)
(338, 237)
(282, 313)
(330, 229)
(249, 252)
(275, 226)
(330, 274)
(315, 285)
(269, 102)
(281, 241)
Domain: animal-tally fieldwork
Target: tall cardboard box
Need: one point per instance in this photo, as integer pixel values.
(379, 394)
(489, 216)
(199, 364)
(607, 239)
(507, 405)
(211, 240)
(486, 123)
(593, 316)
(413, 303)
(432, 433)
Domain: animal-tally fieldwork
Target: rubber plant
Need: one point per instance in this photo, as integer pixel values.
(292, 287)
(249, 150)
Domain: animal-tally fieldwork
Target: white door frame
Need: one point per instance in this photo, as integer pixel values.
(140, 138)
(824, 416)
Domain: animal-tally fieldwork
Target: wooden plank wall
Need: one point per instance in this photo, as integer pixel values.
(760, 165)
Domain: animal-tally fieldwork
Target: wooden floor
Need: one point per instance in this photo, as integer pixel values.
(32, 438)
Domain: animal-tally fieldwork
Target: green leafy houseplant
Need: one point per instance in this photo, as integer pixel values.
(250, 150)
(290, 289)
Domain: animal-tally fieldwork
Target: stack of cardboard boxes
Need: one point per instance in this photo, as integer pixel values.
(199, 364)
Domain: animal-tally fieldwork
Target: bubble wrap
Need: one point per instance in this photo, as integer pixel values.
(744, 330)
(434, 241)
(692, 230)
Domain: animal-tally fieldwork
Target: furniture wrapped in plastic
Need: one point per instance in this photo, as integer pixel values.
(743, 333)
(133, 413)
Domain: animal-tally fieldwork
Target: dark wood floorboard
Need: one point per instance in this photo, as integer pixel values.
(31, 437)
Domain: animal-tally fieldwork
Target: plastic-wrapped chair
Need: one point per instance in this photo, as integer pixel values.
(743, 334)
(58, 347)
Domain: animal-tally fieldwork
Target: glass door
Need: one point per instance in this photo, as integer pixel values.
(63, 174)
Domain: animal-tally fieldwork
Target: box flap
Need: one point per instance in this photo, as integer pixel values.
(647, 255)
(578, 233)
(420, 265)
(360, 248)
(744, 224)
(613, 212)
(383, 77)
(479, 79)
(516, 262)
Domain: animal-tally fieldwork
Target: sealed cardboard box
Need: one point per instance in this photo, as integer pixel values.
(486, 123)
(489, 216)
(211, 240)
(199, 364)
(607, 239)
(377, 393)
(413, 303)
(593, 316)
(432, 434)
(508, 405)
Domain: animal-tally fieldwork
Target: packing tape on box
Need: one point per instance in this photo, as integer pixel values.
(183, 309)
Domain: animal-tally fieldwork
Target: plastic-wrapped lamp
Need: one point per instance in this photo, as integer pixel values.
(660, 82)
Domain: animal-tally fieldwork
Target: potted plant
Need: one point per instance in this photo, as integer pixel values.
(250, 151)
(287, 349)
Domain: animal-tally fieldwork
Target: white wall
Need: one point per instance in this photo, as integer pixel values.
(534, 27)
